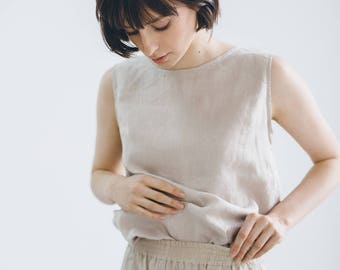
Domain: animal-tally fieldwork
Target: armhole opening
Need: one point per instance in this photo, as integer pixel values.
(115, 90)
(115, 102)
(268, 99)
(114, 84)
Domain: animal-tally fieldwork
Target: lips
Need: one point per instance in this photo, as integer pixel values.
(158, 57)
(161, 59)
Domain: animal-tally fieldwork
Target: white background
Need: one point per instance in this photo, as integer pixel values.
(51, 59)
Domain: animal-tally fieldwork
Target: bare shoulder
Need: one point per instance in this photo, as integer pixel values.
(289, 90)
(105, 99)
(295, 109)
(106, 81)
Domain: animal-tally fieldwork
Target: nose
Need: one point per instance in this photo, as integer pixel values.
(149, 42)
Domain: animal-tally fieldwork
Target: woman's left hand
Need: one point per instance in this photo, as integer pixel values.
(258, 234)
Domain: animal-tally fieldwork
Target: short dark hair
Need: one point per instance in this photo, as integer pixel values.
(112, 14)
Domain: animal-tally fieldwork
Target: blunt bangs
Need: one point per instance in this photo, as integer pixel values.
(117, 15)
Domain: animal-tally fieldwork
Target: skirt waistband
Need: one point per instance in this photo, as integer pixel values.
(187, 251)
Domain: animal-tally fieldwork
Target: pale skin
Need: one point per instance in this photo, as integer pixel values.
(293, 108)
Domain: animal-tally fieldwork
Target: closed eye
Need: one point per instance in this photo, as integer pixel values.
(157, 29)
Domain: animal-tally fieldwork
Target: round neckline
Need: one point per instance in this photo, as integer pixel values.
(196, 68)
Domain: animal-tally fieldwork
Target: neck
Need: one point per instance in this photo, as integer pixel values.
(203, 48)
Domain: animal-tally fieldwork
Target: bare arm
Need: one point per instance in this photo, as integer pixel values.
(107, 169)
(295, 109)
(141, 194)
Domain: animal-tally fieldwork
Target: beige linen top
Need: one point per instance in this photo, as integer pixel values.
(207, 130)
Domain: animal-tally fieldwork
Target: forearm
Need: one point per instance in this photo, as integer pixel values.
(103, 183)
(318, 183)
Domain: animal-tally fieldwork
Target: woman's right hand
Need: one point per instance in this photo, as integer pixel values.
(144, 195)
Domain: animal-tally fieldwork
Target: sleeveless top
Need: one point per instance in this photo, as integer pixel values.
(206, 130)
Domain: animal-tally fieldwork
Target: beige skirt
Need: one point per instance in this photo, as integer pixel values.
(166, 254)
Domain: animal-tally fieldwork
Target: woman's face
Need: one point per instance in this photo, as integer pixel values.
(174, 40)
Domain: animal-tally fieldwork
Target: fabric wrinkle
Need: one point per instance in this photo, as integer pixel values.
(147, 254)
(207, 131)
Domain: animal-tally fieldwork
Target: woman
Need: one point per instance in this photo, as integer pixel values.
(193, 115)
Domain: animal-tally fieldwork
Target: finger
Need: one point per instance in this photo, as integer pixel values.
(249, 241)
(154, 206)
(163, 186)
(161, 198)
(267, 246)
(258, 244)
(242, 234)
(144, 212)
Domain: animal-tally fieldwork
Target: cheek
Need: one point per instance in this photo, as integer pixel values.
(179, 36)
